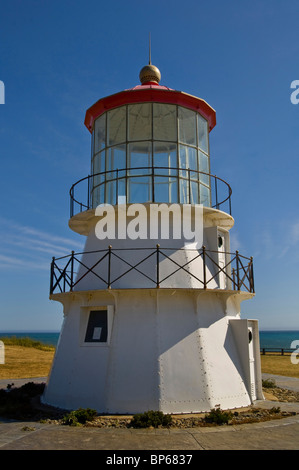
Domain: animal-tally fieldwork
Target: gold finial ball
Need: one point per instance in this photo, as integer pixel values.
(150, 73)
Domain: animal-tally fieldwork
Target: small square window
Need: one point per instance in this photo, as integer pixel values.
(97, 331)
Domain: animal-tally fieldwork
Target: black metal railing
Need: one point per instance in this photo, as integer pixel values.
(276, 351)
(82, 192)
(65, 271)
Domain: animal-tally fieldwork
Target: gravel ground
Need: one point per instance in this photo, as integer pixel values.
(251, 414)
(245, 415)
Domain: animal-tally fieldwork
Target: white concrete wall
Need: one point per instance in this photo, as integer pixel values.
(183, 252)
(171, 350)
(79, 372)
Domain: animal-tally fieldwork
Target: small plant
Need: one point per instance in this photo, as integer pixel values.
(217, 416)
(275, 409)
(268, 383)
(78, 417)
(151, 419)
(27, 428)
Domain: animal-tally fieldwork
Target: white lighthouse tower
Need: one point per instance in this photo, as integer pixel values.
(151, 317)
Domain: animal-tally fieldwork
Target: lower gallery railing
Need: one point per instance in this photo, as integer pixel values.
(106, 268)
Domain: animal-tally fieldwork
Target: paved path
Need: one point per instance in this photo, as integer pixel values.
(20, 382)
(282, 434)
(292, 383)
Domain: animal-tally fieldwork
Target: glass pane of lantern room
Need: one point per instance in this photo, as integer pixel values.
(187, 126)
(98, 195)
(140, 121)
(165, 158)
(193, 192)
(187, 159)
(110, 192)
(116, 160)
(99, 163)
(166, 189)
(116, 166)
(139, 186)
(98, 179)
(139, 189)
(189, 190)
(140, 155)
(205, 196)
(204, 167)
(202, 132)
(98, 169)
(184, 191)
(100, 133)
(164, 122)
(116, 126)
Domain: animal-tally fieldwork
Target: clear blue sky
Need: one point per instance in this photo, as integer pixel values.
(59, 57)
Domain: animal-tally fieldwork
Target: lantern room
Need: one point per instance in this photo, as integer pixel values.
(150, 144)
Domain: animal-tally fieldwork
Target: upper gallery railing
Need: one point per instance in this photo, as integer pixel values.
(192, 187)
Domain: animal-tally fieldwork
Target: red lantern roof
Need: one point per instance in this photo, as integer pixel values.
(150, 92)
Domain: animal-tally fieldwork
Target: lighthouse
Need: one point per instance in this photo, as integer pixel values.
(152, 306)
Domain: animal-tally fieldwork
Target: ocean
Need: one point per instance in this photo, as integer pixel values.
(46, 337)
(278, 339)
(268, 339)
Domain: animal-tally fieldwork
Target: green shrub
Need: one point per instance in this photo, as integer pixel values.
(268, 383)
(80, 416)
(26, 342)
(275, 409)
(16, 402)
(217, 416)
(150, 419)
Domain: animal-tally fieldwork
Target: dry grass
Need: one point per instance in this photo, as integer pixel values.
(279, 365)
(22, 362)
(25, 362)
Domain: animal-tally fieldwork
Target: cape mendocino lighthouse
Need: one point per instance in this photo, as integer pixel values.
(152, 319)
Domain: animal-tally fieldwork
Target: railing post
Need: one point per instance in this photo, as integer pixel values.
(189, 185)
(204, 267)
(72, 203)
(116, 196)
(233, 276)
(237, 269)
(158, 267)
(251, 275)
(216, 192)
(153, 184)
(72, 270)
(52, 275)
(88, 189)
(109, 266)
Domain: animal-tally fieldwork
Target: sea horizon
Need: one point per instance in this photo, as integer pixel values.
(269, 338)
(58, 330)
